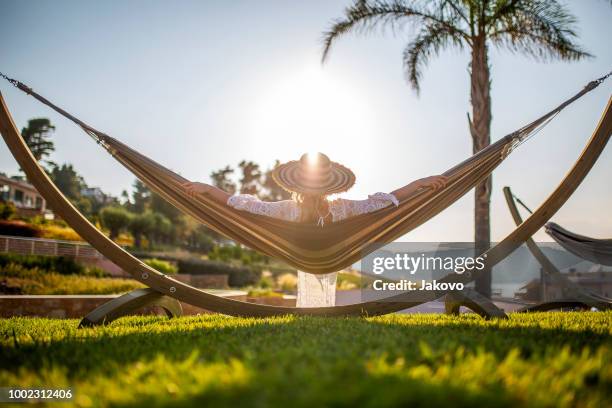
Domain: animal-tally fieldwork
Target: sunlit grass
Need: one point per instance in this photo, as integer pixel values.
(544, 359)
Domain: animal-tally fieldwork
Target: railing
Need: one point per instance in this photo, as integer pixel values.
(48, 247)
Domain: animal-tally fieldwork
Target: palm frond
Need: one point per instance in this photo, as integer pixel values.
(543, 29)
(364, 16)
(429, 43)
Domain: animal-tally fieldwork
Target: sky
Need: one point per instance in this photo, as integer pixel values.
(198, 85)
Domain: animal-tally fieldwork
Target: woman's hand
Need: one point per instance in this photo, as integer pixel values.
(434, 182)
(194, 188)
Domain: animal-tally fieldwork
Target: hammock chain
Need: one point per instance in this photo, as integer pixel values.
(14, 82)
(17, 84)
(601, 79)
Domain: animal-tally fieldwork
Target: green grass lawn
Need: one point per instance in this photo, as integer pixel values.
(543, 359)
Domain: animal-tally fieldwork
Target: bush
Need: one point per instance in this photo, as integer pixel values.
(59, 232)
(164, 267)
(265, 282)
(36, 281)
(59, 264)
(287, 281)
(237, 276)
(19, 229)
(7, 210)
(246, 256)
(263, 293)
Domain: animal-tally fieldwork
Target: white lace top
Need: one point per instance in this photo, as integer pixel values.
(289, 210)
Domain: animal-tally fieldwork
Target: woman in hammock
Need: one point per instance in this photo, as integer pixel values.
(311, 180)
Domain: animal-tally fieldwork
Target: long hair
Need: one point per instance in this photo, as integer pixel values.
(313, 206)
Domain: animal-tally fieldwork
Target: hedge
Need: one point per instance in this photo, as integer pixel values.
(237, 276)
(19, 229)
(62, 265)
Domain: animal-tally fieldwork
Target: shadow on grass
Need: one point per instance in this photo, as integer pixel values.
(221, 361)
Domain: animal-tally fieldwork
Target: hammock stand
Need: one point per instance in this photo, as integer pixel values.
(166, 286)
(574, 296)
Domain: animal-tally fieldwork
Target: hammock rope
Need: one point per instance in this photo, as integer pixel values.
(475, 168)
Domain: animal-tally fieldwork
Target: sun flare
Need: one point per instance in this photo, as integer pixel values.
(312, 111)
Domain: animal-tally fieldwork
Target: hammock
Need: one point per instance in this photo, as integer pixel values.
(595, 250)
(598, 251)
(310, 248)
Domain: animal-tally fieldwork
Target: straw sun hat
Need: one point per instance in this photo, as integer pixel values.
(314, 174)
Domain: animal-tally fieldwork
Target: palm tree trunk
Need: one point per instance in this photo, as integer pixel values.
(481, 137)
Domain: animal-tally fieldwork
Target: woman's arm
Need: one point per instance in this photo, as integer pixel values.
(433, 182)
(193, 188)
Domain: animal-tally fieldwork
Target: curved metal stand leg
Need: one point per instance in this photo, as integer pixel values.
(130, 302)
(473, 301)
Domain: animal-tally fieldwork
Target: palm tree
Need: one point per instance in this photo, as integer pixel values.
(542, 29)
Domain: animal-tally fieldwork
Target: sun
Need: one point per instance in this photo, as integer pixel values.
(310, 110)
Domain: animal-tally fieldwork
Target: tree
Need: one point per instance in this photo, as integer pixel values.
(161, 206)
(85, 206)
(115, 219)
(221, 179)
(141, 197)
(250, 182)
(542, 29)
(161, 230)
(200, 239)
(273, 192)
(139, 225)
(69, 182)
(36, 135)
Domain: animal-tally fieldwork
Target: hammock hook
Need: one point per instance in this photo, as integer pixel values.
(17, 84)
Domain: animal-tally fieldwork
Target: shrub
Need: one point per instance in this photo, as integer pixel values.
(287, 281)
(59, 232)
(246, 256)
(263, 293)
(265, 282)
(60, 264)
(237, 276)
(162, 266)
(36, 281)
(19, 229)
(7, 210)
(348, 281)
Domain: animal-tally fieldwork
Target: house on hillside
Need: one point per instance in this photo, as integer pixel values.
(96, 194)
(23, 195)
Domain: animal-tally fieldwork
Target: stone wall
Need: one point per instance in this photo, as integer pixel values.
(77, 306)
